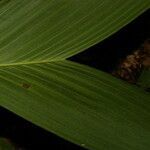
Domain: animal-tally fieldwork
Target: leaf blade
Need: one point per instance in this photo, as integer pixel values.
(33, 31)
(79, 104)
(36, 36)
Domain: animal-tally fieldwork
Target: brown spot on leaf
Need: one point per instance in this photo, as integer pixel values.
(26, 85)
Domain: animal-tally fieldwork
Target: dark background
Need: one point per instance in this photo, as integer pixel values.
(104, 56)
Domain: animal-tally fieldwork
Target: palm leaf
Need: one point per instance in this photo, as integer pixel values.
(81, 104)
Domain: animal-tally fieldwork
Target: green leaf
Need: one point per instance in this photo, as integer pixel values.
(76, 102)
(52, 30)
(81, 104)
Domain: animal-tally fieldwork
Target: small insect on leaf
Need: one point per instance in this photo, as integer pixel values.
(26, 85)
